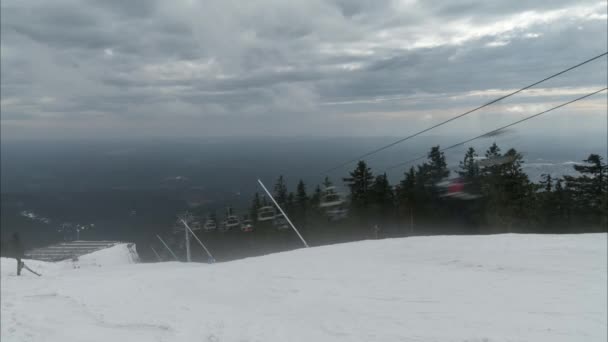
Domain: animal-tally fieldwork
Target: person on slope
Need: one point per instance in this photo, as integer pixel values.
(18, 251)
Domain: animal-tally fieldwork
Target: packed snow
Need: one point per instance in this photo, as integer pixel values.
(445, 288)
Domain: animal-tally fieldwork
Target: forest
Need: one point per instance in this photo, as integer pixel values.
(487, 194)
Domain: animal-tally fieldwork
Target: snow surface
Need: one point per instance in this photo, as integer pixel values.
(446, 288)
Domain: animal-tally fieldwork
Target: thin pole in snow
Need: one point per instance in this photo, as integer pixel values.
(282, 212)
(157, 256)
(167, 246)
(188, 258)
(197, 239)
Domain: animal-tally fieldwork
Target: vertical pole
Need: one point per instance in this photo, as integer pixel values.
(187, 241)
(199, 241)
(157, 256)
(282, 212)
(167, 246)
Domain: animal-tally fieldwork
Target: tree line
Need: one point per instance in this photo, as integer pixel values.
(500, 198)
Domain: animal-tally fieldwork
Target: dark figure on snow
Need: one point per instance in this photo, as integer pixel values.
(18, 251)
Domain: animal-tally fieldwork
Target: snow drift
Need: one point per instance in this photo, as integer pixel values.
(465, 288)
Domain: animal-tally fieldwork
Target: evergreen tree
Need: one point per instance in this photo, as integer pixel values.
(407, 188)
(360, 185)
(256, 204)
(490, 179)
(315, 199)
(407, 197)
(593, 179)
(546, 182)
(438, 169)
(548, 208)
(562, 199)
(280, 192)
(469, 168)
(433, 171)
(509, 192)
(409, 182)
(427, 194)
(302, 199)
(327, 182)
(383, 196)
(589, 191)
(493, 170)
(290, 204)
(302, 203)
(493, 151)
(301, 196)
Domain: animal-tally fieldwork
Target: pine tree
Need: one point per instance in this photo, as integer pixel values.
(589, 191)
(301, 197)
(433, 170)
(547, 204)
(510, 194)
(407, 197)
(438, 169)
(469, 167)
(280, 192)
(360, 185)
(327, 182)
(407, 188)
(493, 151)
(494, 170)
(383, 196)
(315, 199)
(562, 200)
(290, 204)
(490, 184)
(546, 182)
(593, 179)
(256, 204)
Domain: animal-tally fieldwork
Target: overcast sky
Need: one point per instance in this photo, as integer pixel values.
(74, 69)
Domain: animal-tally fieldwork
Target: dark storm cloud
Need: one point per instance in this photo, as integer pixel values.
(271, 59)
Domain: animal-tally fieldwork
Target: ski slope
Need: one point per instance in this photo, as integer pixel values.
(444, 288)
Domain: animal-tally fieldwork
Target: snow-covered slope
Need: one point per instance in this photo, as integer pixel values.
(467, 288)
(120, 254)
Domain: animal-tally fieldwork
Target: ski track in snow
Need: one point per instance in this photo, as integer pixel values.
(459, 288)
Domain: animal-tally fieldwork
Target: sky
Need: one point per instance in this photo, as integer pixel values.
(184, 68)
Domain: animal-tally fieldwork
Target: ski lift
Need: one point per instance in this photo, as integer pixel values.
(231, 222)
(266, 213)
(331, 198)
(247, 225)
(280, 223)
(210, 225)
(334, 204)
(194, 225)
(455, 188)
(337, 213)
(486, 162)
(191, 220)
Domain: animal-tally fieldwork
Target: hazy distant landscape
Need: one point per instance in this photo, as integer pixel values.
(132, 188)
(231, 165)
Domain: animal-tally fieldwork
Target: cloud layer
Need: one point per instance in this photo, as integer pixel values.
(269, 67)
